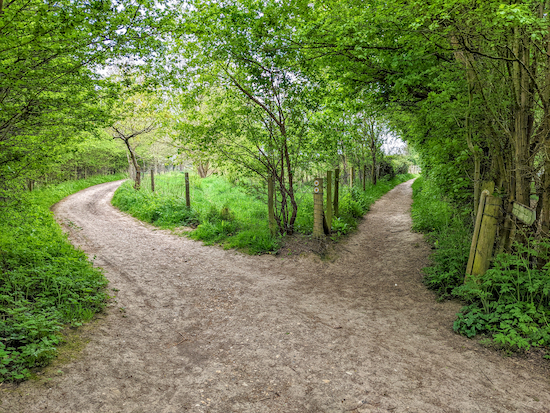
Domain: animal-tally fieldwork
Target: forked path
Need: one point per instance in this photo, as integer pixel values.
(200, 329)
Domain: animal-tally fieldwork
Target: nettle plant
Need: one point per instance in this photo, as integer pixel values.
(511, 301)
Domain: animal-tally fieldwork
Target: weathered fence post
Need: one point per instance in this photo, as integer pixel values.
(187, 197)
(270, 206)
(364, 177)
(475, 236)
(352, 177)
(318, 214)
(329, 199)
(481, 250)
(152, 179)
(336, 190)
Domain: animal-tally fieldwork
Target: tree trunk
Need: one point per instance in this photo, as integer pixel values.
(336, 189)
(475, 152)
(270, 206)
(137, 181)
(521, 125)
(329, 200)
(202, 169)
(293, 203)
(373, 170)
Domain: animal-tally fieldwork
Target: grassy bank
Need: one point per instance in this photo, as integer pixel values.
(510, 303)
(44, 282)
(235, 216)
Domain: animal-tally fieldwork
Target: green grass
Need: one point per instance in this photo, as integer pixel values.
(44, 282)
(235, 216)
(221, 212)
(449, 230)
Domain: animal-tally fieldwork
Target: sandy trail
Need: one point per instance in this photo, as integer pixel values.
(207, 330)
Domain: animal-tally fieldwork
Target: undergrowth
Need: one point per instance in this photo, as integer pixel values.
(510, 302)
(220, 212)
(449, 230)
(235, 216)
(44, 282)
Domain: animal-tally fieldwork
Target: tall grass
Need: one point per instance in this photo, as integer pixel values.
(449, 229)
(220, 211)
(235, 216)
(44, 282)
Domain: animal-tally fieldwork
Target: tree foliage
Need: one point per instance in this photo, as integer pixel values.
(466, 82)
(50, 88)
(257, 103)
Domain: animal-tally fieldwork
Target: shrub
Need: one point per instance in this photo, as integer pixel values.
(511, 301)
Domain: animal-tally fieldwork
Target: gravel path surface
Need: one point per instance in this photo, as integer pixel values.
(200, 329)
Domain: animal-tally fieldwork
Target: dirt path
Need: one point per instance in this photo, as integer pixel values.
(207, 330)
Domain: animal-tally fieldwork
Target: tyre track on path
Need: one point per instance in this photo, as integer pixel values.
(207, 330)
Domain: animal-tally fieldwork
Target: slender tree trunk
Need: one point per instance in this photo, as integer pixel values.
(336, 190)
(137, 181)
(202, 169)
(373, 170)
(290, 189)
(329, 200)
(475, 153)
(521, 124)
(270, 206)
(283, 190)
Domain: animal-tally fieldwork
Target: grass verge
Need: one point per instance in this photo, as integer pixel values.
(45, 283)
(235, 216)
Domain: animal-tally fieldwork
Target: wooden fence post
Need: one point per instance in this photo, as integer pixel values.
(329, 199)
(485, 232)
(318, 213)
(270, 206)
(336, 190)
(137, 185)
(152, 179)
(475, 236)
(364, 177)
(187, 197)
(352, 177)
